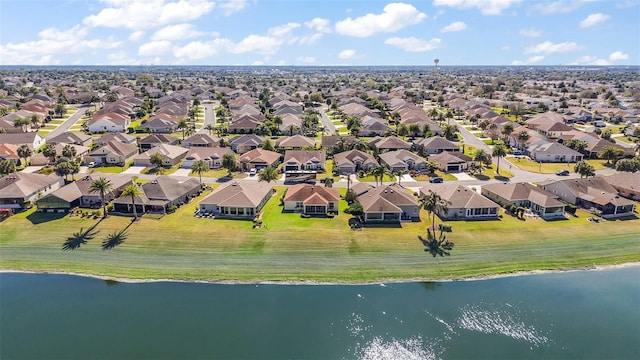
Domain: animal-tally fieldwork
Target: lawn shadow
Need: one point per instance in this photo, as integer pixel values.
(387, 225)
(79, 238)
(42, 217)
(481, 177)
(354, 247)
(116, 238)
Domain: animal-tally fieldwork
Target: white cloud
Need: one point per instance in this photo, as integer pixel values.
(310, 39)
(548, 47)
(176, 32)
(486, 7)
(532, 33)
(144, 14)
(52, 42)
(505, 48)
(454, 26)
(232, 6)
(136, 35)
(395, 16)
(557, 7)
(306, 59)
(593, 20)
(618, 56)
(121, 58)
(532, 60)
(155, 48)
(319, 25)
(413, 44)
(260, 44)
(196, 50)
(347, 54)
(282, 30)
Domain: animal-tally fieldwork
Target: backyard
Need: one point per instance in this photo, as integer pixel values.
(291, 248)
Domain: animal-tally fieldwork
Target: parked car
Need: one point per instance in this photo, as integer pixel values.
(562, 172)
(517, 152)
(92, 164)
(436, 180)
(252, 172)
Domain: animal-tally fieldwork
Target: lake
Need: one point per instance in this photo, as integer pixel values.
(583, 314)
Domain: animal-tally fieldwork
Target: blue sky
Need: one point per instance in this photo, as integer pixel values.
(312, 32)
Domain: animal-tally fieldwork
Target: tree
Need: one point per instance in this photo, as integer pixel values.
(132, 190)
(379, 172)
(523, 136)
(584, 169)
(628, 165)
(62, 168)
(156, 160)
(268, 174)
(200, 167)
(449, 132)
(436, 245)
(35, 121)
(24, 152)
(103, 187)
(402, 130)
(21, 123)
(350, 196)
(399, 174)
(610, 153)
(69, 152)
(49, 151)
(292, 128)
(576, 144)
(481, 157)
(507, 129)
(229, 162)
(433, 203)
(209, 128)
(267, 145)
(7, 167)
(60, 110)
(499, 151)
(183, 125)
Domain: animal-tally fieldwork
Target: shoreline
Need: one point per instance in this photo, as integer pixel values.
(311, 282)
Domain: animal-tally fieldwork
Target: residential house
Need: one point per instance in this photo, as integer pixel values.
(201, 140)
(119, 137)
(31, 139)
(239, 199)
(243, 143)
(9, 152)
(295, 142)
(451, 161)
(389, 203)
(297, 160)
(626, 184)
(526, 195)
(211, 155)
(159, 195)
(171, 155)
(401, 160)
(463, 202)
(389, 143)
(593, 194)
(258, 159)
(373, 126)
(109, 122)
(544, 151)
(78, 193)
(435, 145)
(311, 199)
(69, 137)
(352, 161)
(153, 140)
(20, 190)
(112, 153)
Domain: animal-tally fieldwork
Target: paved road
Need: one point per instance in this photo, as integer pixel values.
(69, 122)
(209, 117)
(330, 129)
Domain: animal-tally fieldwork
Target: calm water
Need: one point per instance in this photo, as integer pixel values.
(593, 314)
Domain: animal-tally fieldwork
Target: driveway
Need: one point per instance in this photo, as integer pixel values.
(134, 170)
(462, 176)
(182, 172)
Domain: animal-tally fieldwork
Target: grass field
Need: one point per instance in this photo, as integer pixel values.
(291, 248)
(550, 168)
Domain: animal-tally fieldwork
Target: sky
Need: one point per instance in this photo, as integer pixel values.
(319, 33)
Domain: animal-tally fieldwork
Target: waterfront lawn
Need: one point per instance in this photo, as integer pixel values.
(292, 248)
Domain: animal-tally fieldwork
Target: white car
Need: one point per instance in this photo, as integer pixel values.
(92, 164)
(252, 172)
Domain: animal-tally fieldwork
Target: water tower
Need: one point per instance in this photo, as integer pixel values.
(436, 61)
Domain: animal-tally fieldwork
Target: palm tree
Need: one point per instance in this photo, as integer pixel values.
(229, 162)
(209, 128)
(49, 151)
(584, 169)
(69, 151)
(498, 152)
(610, 153)
(132, 190)
(481, 157)
(379, 172)
(183, 124)
(268, 174)
(156, 160)
(523, 136)
(433, 203)
(199, 167)
(507, 129)
(399, 174)
(24, 152)
(449, 131)
(101, 186)
(7, 167)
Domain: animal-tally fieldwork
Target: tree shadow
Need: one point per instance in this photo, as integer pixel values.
(110, 282)
(501, 178)
(42, 217)
(79, 238)
(481, 177)
(430, 285)
(116, 238)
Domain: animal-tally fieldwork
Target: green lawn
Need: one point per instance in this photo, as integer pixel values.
(219, 173)
(112, 169)
(292, 248)
(161, 171)
(370, 178)
(550, 168)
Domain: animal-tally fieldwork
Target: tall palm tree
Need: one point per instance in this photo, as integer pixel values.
(24, 152)
(379, 172)
(499, 151)
(584, 169)
(199, 167)
(69, 151)
(523, 136)
(209, 128)
(433, 203)
(103, 187)
(507, 129)
(183, 125)
(481, 157)
(268, 174)
(132, 190)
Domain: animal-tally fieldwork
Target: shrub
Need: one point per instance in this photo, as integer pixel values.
(305, 216)
(171, 209)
